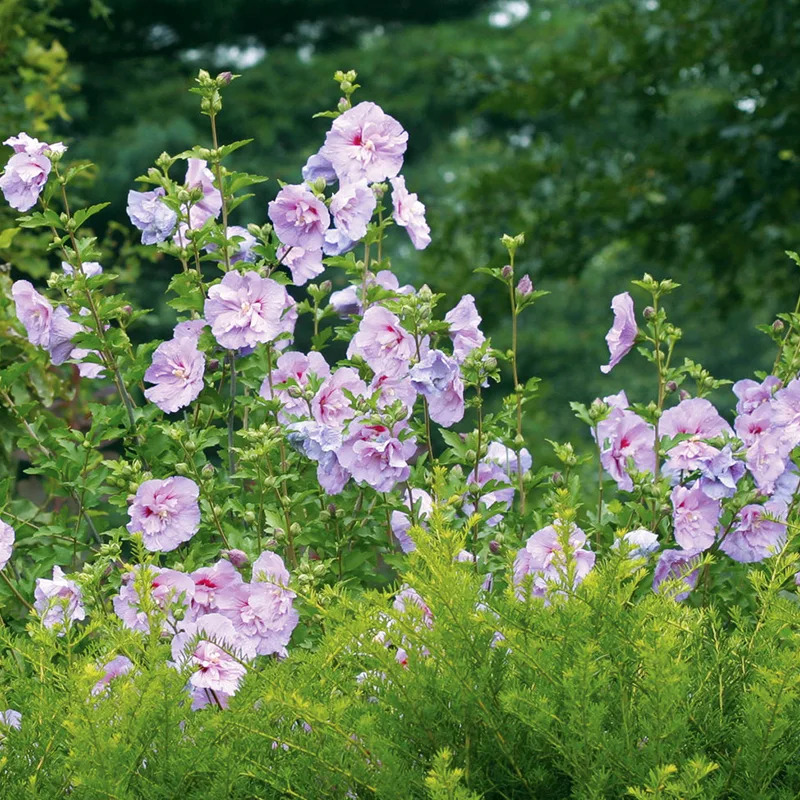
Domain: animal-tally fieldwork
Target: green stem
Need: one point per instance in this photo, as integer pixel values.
(517, 387)
(232, 414)
(15, 592)
(218, 174)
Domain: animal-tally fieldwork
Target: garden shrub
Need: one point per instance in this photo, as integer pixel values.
(256, 560)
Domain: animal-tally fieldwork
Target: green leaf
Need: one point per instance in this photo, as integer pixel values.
(7, 236)
(47, 219)
(83, 214)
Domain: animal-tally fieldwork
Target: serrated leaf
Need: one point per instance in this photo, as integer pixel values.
(83, 214)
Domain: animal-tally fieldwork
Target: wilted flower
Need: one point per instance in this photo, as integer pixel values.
(365, 143)
(151, 215)
(165, 512)
(409, 213)
(622, 335)
(58, 600)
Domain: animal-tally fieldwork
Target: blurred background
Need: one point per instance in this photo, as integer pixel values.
(621, 136)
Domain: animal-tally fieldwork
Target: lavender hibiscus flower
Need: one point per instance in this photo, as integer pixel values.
(165, 512)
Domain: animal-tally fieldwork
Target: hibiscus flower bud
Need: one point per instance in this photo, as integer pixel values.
(777, 326)
(237, 557)
(224, 78)
(672, 386)
(494, 546)
(525, 285)
(507, 271)
(649, 312)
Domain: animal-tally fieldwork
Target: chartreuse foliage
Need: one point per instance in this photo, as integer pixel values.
(611, 691)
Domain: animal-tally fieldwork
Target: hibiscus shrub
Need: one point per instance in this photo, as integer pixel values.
(256, 559)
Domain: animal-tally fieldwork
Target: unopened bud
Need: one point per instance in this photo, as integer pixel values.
(684, 395)
(331, 508)
(649, 312)
(249, 517)
(326, 286)
(224, 78)
(778, 325)
(507, 271)
(237, 557)
(494, 546)
(295, 529)
(525, 285)
(557, 478)
(207, 471)
(672, 386)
